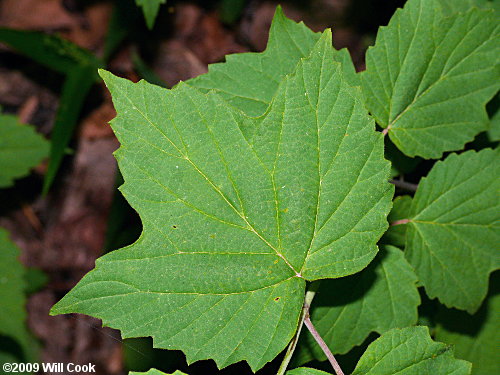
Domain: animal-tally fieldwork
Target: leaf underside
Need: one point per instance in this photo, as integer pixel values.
(235, 222)
(429, 77)
(409, 351)
(453, 236)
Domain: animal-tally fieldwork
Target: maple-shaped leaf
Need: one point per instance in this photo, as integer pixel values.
(233, 227)
(409, 351)
(475, 338)
(12, 295)
(21, 148)
(429, 77)
(347, 310)
(150, 8)
(249, 80)
(453, 233)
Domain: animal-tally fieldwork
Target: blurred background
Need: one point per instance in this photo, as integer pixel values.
(68, 212)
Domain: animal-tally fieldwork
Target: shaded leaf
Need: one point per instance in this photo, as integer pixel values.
(51, 51)
(12, 294)
(429, 77)
(150, 8)
(21, 148)
(74, 91)
(347, 310)
(234, 226)
(249, 81)
(475, 338)
(453, 236)
(409, 351)
(396, 234)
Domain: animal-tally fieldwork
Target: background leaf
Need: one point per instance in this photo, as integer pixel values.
(347, 310)
(429, 77)
(155, 372)
(233, 226)
(474, 338)
(306, 371)
(409, 351)
(396, 234)
(453, 234)
(12, 295)
(150, 8)
(21, 148)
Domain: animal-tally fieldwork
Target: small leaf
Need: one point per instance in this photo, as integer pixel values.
(150, 8)
(429, 77)
(21, 148)
(347, 310)
(453, 236)
(12, 295)
(396, 234)
(306, 371)
(249, 81)
(409, 351)
(475, 338)
(235, 225)
(154, 371)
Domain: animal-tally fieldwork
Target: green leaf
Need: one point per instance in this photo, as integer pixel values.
(306, 371)
(494, 110)
(155, 372)
(21, 148)
(234, 226)
(409, 351)
(150, 8)
(51, 51)
(429, 77)
(396, 234)
(381, 297)
(249, 81)
(74, 91)
(450, 7)
(475, 338)
(453, 235)
(12, 295)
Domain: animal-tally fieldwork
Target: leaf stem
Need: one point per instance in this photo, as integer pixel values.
(311, 292)
(322, 344)
(404, 185)
(400, 222)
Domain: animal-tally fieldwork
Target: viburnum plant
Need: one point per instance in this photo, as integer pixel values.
(264, 184)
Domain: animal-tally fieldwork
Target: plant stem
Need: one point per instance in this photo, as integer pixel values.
(311, 292)
(404, 185)
(400, 222)
(322, 344)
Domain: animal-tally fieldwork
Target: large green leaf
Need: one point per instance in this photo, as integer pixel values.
(409, 351)
(249, 80)
(21, 148)
(347, 310)
(12, 295)
(429, 77)
(150, 8)
(234, 226)
(453, 234)
(475, 338)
